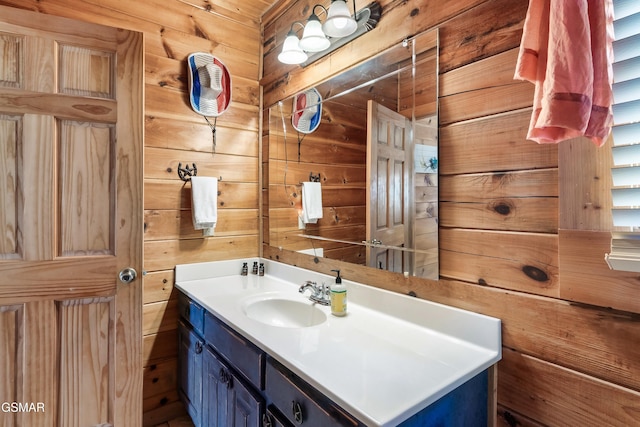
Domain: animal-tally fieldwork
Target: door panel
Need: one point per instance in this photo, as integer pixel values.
(71, 209)
(87, 197)
(86, 374)
(10, 158)
(36, 187)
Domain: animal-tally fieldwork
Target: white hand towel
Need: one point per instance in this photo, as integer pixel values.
(204, 203)
(311, 202)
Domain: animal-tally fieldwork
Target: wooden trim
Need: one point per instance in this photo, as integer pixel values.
(57, 279)
(585, 276)
(127, 390)
(62, 106)
(585, 185)
(492, 401)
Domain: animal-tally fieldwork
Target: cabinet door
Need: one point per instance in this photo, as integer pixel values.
(227, 402)
(245, 408)
(215, 411)
(190, 347)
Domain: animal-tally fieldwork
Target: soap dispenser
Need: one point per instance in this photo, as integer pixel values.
(338, 296)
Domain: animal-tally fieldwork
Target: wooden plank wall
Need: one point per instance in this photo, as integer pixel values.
(174, 134)
(569, 353)
(523, 228)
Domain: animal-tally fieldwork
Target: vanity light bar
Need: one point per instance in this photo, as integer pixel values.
(310, 48)
(367, 18)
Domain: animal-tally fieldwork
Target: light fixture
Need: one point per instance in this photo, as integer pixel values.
(339, 26)
(313, 38)
(292, 53)
(339, 21)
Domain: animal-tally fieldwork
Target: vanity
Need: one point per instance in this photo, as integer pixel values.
(255, 351)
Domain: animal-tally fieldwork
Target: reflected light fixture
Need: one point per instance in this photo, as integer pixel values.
(313, 38)
(338, 29)
(339, 21)
(292, 53)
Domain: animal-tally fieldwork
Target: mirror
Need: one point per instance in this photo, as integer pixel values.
(374, 154)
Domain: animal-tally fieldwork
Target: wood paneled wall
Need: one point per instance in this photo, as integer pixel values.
(523, 227)
(528, 250)
(175, 134)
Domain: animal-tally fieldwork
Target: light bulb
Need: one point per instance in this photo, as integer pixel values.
(313, 38)
(291, 51)
(339, 22)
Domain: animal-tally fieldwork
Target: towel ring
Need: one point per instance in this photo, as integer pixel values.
(185, 173)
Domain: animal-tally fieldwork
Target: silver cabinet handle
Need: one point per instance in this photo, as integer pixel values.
(127, 275)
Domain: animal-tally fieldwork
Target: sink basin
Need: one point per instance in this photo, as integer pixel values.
(285, 313)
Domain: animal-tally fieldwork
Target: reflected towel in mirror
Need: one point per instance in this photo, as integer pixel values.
(311, 202)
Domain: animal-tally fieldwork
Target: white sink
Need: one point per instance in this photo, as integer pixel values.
(284, 313)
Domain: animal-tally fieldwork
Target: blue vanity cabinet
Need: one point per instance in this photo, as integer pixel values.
(227, 381)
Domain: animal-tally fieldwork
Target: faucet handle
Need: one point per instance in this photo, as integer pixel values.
(325, 289)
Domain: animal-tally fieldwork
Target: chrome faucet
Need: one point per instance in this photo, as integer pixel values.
(319, 294)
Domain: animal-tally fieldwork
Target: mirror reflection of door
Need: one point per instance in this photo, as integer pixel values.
(389, 172)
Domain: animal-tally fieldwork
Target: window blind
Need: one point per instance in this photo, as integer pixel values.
(625, 242)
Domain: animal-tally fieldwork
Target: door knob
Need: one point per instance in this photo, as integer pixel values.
(127, 275)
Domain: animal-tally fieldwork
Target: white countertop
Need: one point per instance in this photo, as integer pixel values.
(389, 358)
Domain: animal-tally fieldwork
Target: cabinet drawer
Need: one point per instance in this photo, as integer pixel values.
(191, 312)
(299, 402)
(245, 357)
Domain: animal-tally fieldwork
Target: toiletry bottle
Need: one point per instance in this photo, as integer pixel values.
(338, 297)
(254, 270)
(261, 269)
(245, 269)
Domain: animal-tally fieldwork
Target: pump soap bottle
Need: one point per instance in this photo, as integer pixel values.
(338, 297)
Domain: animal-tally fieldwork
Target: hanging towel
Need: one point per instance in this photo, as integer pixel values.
(204, 203)
(311, 202)
(566, 51)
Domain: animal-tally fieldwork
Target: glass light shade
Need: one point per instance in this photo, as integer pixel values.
(339, 22)
(313, 38)
(291, 51)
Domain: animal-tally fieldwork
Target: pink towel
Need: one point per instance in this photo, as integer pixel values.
(566, 51)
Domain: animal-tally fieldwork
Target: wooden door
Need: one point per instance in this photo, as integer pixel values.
(388, 174)
(71, 122)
